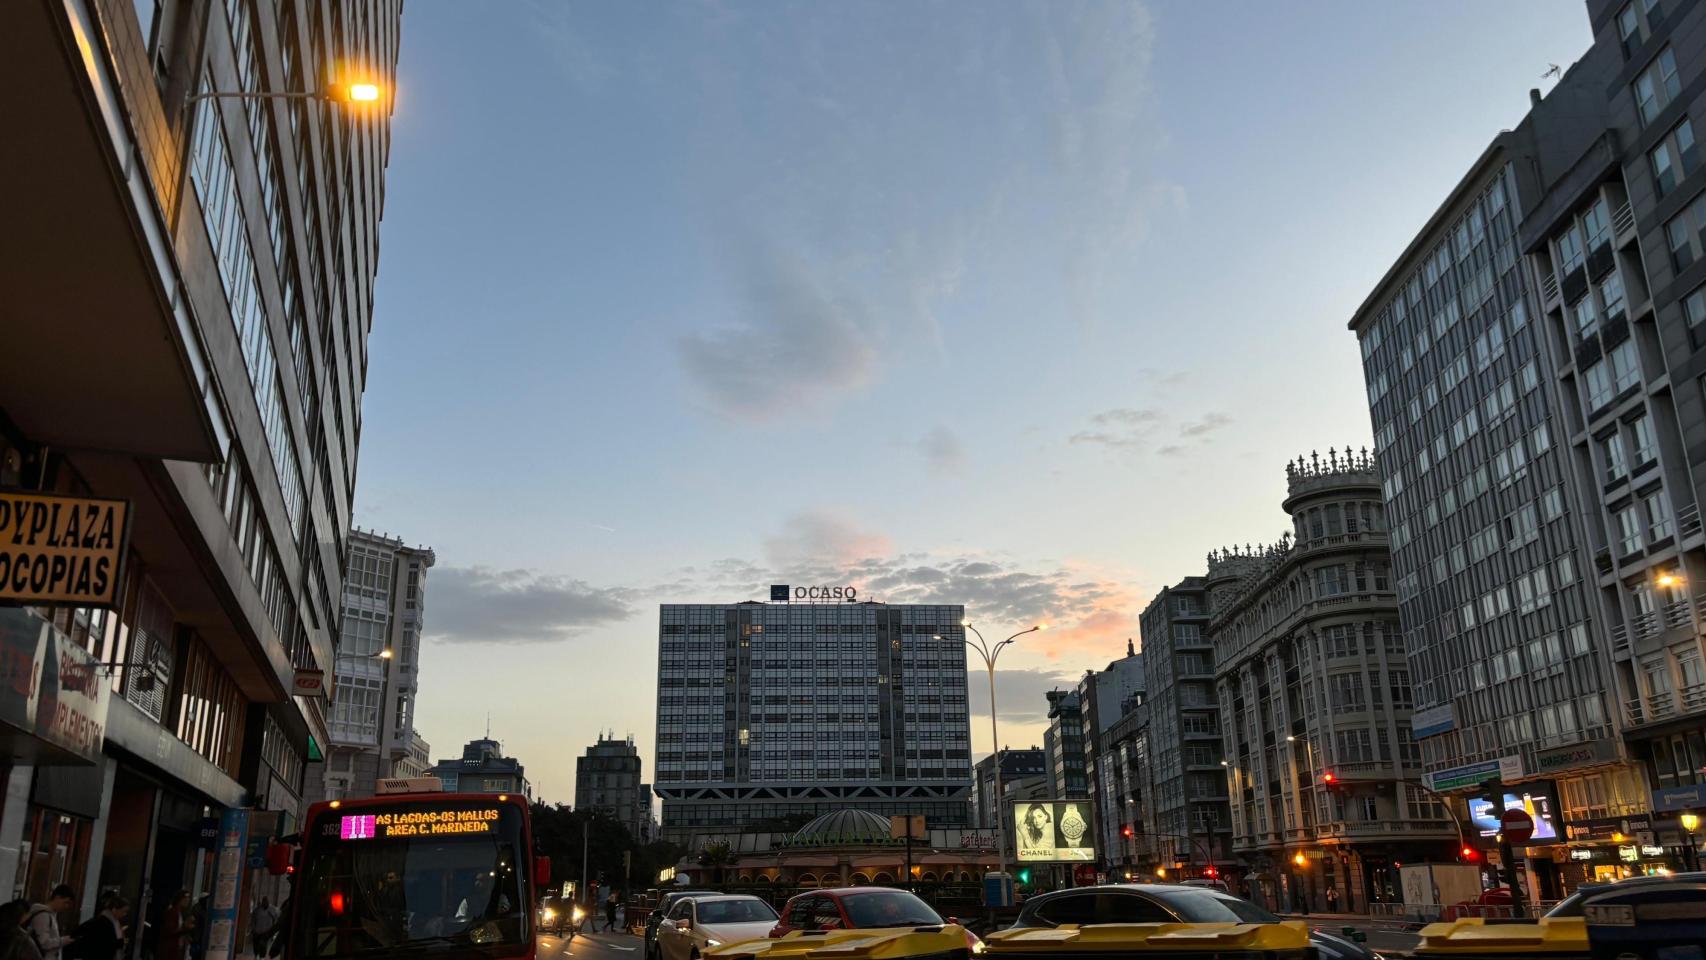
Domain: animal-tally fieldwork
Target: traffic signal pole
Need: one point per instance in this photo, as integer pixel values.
(1518, 909)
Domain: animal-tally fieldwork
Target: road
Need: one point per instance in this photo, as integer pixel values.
(591, 946)
(1381, 938)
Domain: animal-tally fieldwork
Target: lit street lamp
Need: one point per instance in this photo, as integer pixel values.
(1690, 823)
(334, 93)
(989, 655)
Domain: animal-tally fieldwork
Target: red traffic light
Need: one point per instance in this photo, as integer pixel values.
(1470, 854)
(1212, 872)
(1327, 777)
(1126, 831)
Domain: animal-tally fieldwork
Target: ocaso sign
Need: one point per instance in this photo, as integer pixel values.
(825, 593)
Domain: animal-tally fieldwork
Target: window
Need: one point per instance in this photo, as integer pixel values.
(1629, 530)
(1611, 295)
(1674, 157)
(1625, 368)
(1694, 307)
(1598, 381)
(1631, 32)
(1657, 516)
(1570, 252)
(1586, 314)
(1683, 233)
(1646, 445)
(1611, 446)
(1657, 86)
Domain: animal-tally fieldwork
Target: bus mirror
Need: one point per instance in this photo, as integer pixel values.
(542, 871)
(278, 858)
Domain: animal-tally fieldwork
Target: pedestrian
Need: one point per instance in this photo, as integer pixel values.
(101, 937)
(263, 923)
(610, 904)
(44, 922)
(176, 924)
(16, 943)
(1332, 899)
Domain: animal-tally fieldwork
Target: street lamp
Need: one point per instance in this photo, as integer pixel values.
(1690, 822)
(989, 655)
(358, 92)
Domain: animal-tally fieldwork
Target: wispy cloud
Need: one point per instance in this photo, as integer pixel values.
(1121, 428)
(1206, 425)
(482, 605)
(1022, 695)
(942, 451)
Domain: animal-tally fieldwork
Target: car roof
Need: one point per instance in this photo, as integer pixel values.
(725, 897)
(1132, 887)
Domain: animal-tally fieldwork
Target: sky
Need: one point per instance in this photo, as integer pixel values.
(1018, 305)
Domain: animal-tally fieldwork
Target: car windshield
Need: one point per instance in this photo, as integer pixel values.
(388, 878)
(735, 911)
(895, 909)
(1204, 905)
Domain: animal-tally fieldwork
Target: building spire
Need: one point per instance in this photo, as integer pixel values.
(1130, 648)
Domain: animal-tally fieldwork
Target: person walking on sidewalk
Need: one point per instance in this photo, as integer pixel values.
(1332, 899)
(175, 929)
(610, 904)
(101, 937)
(262, 925)
(16, 943)
(44, 922)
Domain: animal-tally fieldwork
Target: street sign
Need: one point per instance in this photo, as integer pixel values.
(1517, 826)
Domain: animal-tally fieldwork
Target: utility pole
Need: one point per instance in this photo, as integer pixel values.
(585, 847)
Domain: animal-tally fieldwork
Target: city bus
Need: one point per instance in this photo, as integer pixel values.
(414, 871)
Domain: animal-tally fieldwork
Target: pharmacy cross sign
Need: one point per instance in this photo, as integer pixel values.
(1517, 826)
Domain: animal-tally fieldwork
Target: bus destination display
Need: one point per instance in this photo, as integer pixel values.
(419, 823)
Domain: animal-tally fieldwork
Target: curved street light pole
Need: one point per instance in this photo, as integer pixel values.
(990, 654)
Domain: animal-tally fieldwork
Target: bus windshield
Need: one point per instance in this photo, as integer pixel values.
(416, 874)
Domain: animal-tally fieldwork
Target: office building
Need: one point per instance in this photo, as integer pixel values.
(1063, 743)
(1104, 693)
(1533, 415)
(1315, 695)
(774, 711)
(205, 266)
(1016, 765)
(482, 768)
(1185, 820)
(607, 780)
(378, 667)
(417, 760)
(1616, 254)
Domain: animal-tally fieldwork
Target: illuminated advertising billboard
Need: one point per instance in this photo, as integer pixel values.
(1053, 831)
(1539, 800)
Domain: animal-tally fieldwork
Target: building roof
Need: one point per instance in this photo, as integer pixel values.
(843, 828)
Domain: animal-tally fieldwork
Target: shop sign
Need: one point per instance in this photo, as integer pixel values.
(1651, 852)
(1581, 854)
(1433, 721)
(310, 683)
(1615, 829)
(61, 551)
(1679, 798)
(52, 688)
(1475, 774)
(1628, 854)
(1576, 755)
(781, 592)
(977, 841)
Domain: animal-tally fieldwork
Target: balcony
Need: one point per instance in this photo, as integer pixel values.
(1688, 522)
(1549, 288)
(1659, 707)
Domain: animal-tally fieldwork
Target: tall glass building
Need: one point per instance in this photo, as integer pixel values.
(774, 713)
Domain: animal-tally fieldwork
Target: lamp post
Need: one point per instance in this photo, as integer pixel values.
(1691, 858)
(990, 654)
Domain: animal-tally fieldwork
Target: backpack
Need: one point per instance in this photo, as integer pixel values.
(36, 910)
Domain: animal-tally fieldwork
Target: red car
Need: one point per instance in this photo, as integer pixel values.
(859, 908)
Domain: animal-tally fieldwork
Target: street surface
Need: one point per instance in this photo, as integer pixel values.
(591, 946)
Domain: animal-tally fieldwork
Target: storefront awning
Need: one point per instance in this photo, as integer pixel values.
(53, 696)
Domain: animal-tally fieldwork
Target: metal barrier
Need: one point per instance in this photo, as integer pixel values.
(1420, 913)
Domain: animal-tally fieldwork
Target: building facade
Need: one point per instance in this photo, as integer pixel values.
(1016, 765)
(378, 667)
(770, 711)
(1063, 743)
(1104, 694)
(1314, 685)
(206, 266)
(607, 779)
(1185, 820)
(1617, 256)
(1533, 392)
(482, 768)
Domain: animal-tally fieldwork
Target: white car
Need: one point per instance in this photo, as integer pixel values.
(699, 923)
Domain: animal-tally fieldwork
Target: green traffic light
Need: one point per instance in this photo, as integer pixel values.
(1025, 875)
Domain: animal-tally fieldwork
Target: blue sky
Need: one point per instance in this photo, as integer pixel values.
(1018, 305)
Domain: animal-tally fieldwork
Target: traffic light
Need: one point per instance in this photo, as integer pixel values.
(1024, 874)
(1126, 831)
(1469, 854)
(1328, 778)
(1211, 872)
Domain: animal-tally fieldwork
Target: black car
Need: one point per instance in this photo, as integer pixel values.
(1571, 906)
(667, 902)
(1165, 903)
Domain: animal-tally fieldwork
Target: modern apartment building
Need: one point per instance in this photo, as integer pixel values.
(1016, 765)
(768, 711)
(607, 779)
(482, 768)
(1314, 685)
(205, 265)
(1540, 422)
(1617, 247)
(1185, 822)
(378, 667)
(1104, 694)
(1063, 745)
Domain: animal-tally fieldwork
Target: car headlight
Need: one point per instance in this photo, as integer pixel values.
(977, 947)
(579, 914)
(550, 915)
(709, 942)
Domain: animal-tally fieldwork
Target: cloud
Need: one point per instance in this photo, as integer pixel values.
(1171, 450)
(942, 451)
(1120, 428)
(482, 605)
(797, 340)
(1021, 694)
(1208, 424)
(820, 539)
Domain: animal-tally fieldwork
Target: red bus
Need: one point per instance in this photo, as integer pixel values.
(405, 873)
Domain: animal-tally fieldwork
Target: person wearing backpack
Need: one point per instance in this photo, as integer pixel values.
(44, 922)
(15, 940)
(101, 937)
